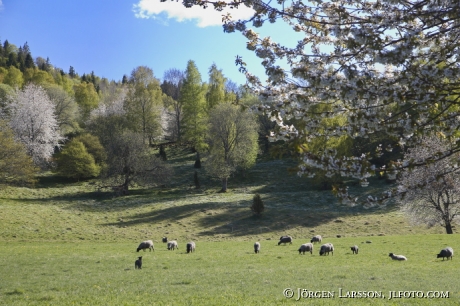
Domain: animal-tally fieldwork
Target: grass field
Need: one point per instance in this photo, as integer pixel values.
(68, 243)
(225, 273)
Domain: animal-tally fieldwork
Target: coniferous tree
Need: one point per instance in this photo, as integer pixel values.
(29, 61)
(258, 206)
(194, 108)
(72, 73)
(6, 46)
(12, 60)
(21, 59)
(216, 87)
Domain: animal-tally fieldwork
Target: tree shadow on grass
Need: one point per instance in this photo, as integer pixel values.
(219, 218)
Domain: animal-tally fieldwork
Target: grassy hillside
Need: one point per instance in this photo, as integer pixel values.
(70, 211)
(68, 243)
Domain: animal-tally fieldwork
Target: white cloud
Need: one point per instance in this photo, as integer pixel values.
(1, 5)
(175, 10)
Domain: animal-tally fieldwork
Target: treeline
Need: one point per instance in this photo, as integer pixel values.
(86, 126)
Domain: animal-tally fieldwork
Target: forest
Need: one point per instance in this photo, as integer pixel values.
(80, 126)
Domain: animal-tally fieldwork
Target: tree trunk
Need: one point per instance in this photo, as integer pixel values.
(197, 182)
(197, 161)
(125, 186)
(449, 228)
(224, 185)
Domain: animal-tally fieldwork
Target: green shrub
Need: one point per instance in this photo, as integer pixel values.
(74, 161)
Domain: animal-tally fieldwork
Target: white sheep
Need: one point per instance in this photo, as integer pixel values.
(397, 257)
(172, 245)
(316, 238)
(306, 247)
(326, 248)
(148, 244)
(354, 249)
(257, 247)
(190, 247)
(447, 252)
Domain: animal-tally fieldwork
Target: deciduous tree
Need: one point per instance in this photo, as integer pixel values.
(75, 162)
(387, 66)
(172, 84)
(16, 167)
(33, 120)
(232, 139)
(66, 109)
(430, 192)
(87, 98)
(143, 103)
(131, 162)
(14, 77)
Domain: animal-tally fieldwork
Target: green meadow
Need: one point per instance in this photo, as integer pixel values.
(71, 243)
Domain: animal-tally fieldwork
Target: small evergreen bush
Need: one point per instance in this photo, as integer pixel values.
(257, 205)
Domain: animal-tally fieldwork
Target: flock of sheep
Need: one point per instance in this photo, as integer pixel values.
(171, 245)
(325, 249)
(329, 248)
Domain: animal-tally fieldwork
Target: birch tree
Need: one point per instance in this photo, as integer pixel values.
(171, 86)
(143, 103)
(232, 139)
(66, 109)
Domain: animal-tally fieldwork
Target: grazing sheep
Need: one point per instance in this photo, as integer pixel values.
(257, 247)
(306, 247)
(326, 248)
(138, 263)
(397, 257)
(447, 252)
(172, 245)
(285, 239)
(164, 239)
(354, 249)
(190, 247)
(317, 238)
(148, 244)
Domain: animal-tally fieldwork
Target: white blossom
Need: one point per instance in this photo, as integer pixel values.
(33, 120)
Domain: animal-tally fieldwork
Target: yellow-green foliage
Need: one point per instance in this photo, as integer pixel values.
(74, 161)
(15, 165)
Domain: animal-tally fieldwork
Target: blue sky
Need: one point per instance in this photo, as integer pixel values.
(112, 38)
